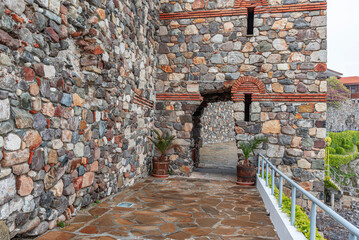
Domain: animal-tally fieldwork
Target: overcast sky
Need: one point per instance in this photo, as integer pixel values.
(343, 36)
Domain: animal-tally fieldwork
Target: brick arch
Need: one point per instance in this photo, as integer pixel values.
(250, 3)
(246, 85)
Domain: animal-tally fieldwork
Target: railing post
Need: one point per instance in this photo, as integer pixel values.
(262, 168)
(292, 211)
(313, 221)
(280, 191)
(352, 237)
(259, 164)
(273, 180)
(267, 175)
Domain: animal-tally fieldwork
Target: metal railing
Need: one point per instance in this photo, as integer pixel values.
(339, 180)
(266, 165)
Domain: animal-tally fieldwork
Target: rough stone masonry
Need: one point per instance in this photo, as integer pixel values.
(205, 47)
(78, 81)
(76, 105)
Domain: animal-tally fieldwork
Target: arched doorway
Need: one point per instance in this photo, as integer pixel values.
(215, 152)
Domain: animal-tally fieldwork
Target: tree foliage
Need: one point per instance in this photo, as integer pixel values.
(337, 92)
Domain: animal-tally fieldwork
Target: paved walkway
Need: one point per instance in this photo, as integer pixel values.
(175, 208)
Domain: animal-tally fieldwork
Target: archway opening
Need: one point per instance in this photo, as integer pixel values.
(215, 151)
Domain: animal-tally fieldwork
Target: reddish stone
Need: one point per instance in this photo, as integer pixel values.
(101, 13)
(48, 109)
(78, 183)
(32, 139)
(76, 34)
(17, 18)
(126, 174)
(198, 4)
(88, 179)
(52, 34)
(97, 51)
(24, 185)
(93, 20)
(75, 163)
(63, 19)
(63, 32)
(93, 32)
(63, 9)
(166, 69)
(81, 42)
(59, 112)
(319, 143)
(29, 74)
(34, 89)
(94, 166)
(321, 67)
(7, 40)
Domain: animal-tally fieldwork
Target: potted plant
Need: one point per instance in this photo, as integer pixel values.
(162, 143)
(246, 172)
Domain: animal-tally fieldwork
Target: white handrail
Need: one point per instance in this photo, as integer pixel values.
(353, 231)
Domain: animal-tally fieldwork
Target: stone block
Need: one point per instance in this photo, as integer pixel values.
(24, 185)
(272, 127)
(4, 110)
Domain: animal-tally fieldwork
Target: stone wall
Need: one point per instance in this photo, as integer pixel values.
(346, 117)
(206, 51)
(76, 88)
(217, 123)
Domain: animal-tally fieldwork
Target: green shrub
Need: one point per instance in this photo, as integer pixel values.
(328, 183)
(357, 143)
(348, 146)
(332, 150)
(337, 161)
(302, 222)
(340, 150)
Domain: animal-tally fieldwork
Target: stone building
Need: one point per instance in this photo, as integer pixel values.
(83, 83)
(268, 57)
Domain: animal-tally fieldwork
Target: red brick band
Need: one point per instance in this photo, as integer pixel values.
(179, 97)
(143, 101)
(282, 97)
(238, 11)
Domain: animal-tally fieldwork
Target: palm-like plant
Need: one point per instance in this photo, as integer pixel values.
(249, 147)
(164, 142)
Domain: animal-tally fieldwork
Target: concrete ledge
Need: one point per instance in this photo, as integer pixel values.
(279, 219)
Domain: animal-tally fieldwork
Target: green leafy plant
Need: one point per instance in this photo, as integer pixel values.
(302, 222)
(332, 150)
(249, 147)
(340, 150)
(97, 201)
(62, 224)
(328, 183)
(164, 142)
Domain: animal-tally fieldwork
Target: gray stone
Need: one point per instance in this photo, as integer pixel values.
(275, 151)
(8, 189)
(17, 6)
(40, 229)
(235, 58)
(4, 110)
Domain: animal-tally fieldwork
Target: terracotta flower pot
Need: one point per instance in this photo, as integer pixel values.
(160, 167)
(246, 175)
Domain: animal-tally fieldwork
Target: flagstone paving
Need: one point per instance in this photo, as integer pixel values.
(175, 208)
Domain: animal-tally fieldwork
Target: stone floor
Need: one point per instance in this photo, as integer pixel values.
(174, 208)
